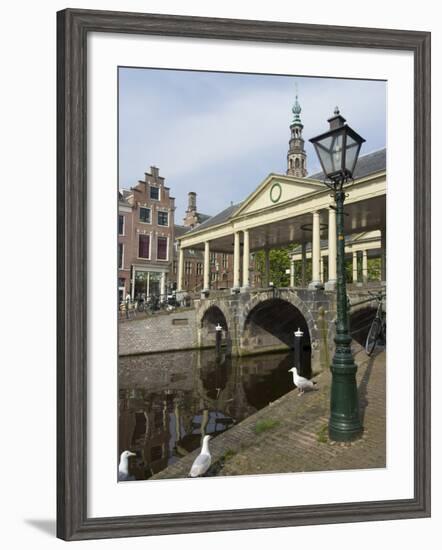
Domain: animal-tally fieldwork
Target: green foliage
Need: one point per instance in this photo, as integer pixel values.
(230, 453)
(265, 424)
(322, 434)
(279, 263)
(374, 269)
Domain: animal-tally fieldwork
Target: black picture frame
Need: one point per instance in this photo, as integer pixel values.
(73, 27)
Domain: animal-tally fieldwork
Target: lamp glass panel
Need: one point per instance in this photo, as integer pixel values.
(324, 151)
(337, 152)
(352, 153)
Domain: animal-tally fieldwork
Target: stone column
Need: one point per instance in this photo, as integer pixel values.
(246, 260)
(180, 269)
(331, 283)
(292, 273)
(303, 264)
(316, 252)
(236, 261)
(364, 266)
(384, 254)
(206, 285)
(267, 266)
(355, 267)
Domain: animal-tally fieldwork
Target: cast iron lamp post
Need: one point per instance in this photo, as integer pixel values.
(338, 151)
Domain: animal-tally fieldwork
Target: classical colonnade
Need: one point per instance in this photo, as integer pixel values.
(238, 281)
(241, 258)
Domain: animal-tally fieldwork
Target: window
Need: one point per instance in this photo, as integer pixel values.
(174, 266)
(145, 215)
(144, 246)
(162, 248)
(225, 261)
(120, 255)
(155, 193)
(163, 218)
(199, 268)
(188, 268)
(120, 224)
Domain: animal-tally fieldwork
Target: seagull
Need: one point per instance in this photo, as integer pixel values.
(202, 461)
(302, 383)
(123, 466)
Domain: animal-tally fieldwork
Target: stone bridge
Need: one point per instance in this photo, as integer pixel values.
(264, 320)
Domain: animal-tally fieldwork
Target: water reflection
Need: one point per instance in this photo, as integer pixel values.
(168, 402)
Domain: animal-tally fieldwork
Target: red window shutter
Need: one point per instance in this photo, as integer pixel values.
(143, 246)
(162, 248)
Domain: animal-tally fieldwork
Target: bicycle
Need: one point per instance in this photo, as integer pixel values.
(378, 326)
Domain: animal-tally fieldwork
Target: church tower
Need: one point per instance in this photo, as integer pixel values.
(296, 157)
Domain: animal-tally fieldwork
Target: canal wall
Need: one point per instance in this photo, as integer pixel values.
(158, 333)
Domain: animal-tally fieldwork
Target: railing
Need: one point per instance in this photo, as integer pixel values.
(154, 304)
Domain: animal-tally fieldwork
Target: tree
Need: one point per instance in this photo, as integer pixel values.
(279, 264)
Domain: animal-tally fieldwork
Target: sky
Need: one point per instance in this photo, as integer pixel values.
(221, 134)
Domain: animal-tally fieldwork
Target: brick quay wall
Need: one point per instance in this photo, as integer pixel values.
(159, 332)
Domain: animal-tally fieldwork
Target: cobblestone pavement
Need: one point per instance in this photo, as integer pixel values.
(296, 438)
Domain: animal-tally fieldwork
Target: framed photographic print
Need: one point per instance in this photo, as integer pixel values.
(240, 203)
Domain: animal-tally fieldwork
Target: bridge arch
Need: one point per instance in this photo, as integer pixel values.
(270, 323)
(209, 317)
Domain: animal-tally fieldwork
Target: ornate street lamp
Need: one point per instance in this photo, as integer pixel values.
(338, 151)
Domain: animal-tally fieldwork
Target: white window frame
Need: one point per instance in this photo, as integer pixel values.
(167, 248)
(123, 234)
(159, 193)
(121, 267)
(150, 215)
(168, 218)
(150, 246)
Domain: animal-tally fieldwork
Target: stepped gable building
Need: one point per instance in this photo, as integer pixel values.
(145, 237)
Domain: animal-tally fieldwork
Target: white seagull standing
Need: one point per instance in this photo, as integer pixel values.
(302, 383)
(202, 461)
(123, 466)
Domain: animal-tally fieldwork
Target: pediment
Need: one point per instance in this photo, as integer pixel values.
(277, 189)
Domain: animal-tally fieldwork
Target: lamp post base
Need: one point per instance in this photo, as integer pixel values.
(345, 424)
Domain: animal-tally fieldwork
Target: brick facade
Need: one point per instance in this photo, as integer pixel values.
(147, 244)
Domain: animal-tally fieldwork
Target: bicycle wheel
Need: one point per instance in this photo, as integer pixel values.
(372, 336)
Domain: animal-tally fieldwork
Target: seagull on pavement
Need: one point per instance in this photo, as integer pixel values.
(123, 466)
(202, 461)
(302, 383)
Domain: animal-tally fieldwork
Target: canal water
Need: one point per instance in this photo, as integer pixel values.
(168, 401)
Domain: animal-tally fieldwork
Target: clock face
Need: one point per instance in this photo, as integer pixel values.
(275, 192)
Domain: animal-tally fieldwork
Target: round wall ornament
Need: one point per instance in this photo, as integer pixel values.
(275, 192)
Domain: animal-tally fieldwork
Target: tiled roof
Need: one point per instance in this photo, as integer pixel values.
(202, 217)
(180, 230)
(221, 217)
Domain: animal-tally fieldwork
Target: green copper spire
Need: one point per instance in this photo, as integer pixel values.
(296, 110)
